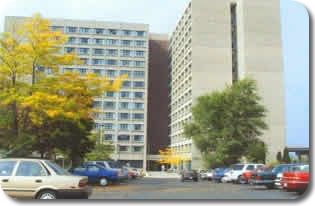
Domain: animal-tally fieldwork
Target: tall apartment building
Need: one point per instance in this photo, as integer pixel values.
(216, 43)
(112, 49)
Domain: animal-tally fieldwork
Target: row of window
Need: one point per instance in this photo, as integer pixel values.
(123, 137)
(108, 73)
(122, 105)
(123, 148)
(105, 52)
(122, 127)
(113, 62)
(121, 116)
(107, 42)
(99, 31)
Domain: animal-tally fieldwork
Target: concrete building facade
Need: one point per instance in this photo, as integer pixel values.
(112, 49)
(216, 43)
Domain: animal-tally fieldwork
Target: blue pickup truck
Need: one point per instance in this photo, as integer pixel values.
(97, 173)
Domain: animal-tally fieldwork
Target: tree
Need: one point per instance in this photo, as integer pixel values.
(279, 157)
(169, 156)
(256, 152)
(286, 157)
(226, 123)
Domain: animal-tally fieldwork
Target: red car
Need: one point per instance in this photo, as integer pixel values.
(246, 176)
(296, 178)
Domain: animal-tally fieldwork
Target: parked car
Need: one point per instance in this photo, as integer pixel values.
(219, 173)
(246, 176)
(122, 171)
(237, 170)
(97, 173)
(133, 173)
(189, 175)
(269, 177)
(296, 178)
(206, 174)
(40, 179)
(227, 177)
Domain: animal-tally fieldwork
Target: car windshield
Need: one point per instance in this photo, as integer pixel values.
(279, 168)
(57, 169)
(300, 168)
(6, 168)
(237, 167)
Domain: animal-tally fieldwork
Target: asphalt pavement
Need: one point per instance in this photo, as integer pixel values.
(173, 189)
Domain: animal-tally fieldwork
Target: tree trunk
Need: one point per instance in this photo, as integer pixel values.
(15, 126)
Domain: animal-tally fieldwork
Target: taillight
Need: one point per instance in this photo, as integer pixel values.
(82, 183)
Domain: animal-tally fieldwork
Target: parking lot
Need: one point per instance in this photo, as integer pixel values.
(173, 188)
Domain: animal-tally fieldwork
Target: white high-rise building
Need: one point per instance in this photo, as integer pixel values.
(215, 43)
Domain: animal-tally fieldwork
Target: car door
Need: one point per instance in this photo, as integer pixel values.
(93, 173)
(7, 168)
(29, 176)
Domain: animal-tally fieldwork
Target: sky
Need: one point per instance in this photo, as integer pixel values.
(163, 15)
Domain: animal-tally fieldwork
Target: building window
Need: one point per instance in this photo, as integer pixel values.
(98, 72)
(123, 137)
(234, 42)
(71, 29)
(124, 127)
(140, 43)
(140, 53)
(109, 105)
(72, 40)
(84, 30)
(138, 84)
(113, 31)
(138, 74)
(98, 52)
(141, 33)
(139, 106)
(126, 43)
(83, 51)
(125, 63)
(139, 63)
(124, 116)
(111, 42)
(109, 126)
(112, 52)
(108, 137)
(126, 32)
(126, 53)
(126, 84)
(69, 49)
(99, 41)
(138, 116)
(138, 149)
(110, 94)
(98, 61)
(139, 95)
(57, 28)
(84, 40)
(99, 31)
(111, 73)
(109, 115)
(125, 94)
(138, 127)
(138, 138)
(112, 62)
(123, 105)
(123, 148)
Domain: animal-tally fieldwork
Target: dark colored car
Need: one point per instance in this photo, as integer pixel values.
(219, 173)
(96, 173)
(268, 176)
(189, 175)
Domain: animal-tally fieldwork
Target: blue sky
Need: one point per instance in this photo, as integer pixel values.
(162, 15)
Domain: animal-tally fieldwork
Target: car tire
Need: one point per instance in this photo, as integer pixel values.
(270, 186)
(47, 195)
(196, 180)
(238, 181)
(103, 181)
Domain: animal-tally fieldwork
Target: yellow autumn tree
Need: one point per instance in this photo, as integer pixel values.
(169, 156)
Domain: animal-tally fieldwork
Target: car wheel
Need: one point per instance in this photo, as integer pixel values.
(47, 195)
(242, 180)
(270, 186)
(103, 181)
(238, 181)
(196, 180)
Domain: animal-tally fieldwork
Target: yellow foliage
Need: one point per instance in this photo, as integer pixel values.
(170, 156)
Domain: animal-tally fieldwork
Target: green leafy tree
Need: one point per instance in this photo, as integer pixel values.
(226, 123)
(286, 158)
(101, 150)
(256, 152)
(279, 157)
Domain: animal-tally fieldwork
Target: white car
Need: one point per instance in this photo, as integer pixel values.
(206, 174)
(40, 179)
(227, 177)
(238, 170)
